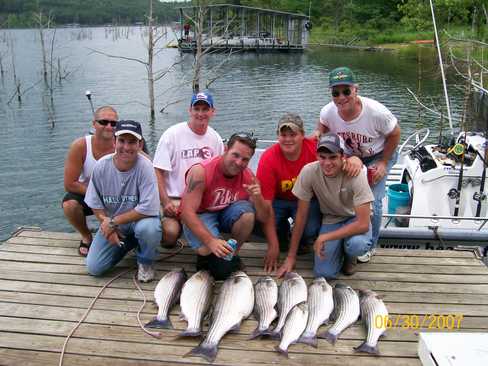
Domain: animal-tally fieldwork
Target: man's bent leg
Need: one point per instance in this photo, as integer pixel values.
(283, 209)
(379, 193)
(238, 219)
(147, 232)
(76, 213)
(333, 252)
(171, 231)
(104, 255)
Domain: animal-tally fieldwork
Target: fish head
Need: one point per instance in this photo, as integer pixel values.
(291, 275)
(303, 306)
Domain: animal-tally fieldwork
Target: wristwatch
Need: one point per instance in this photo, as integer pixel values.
(111, 224)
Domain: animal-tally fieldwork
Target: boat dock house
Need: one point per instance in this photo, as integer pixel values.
(235, 27)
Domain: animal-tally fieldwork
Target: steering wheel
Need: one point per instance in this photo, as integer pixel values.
(419, 140)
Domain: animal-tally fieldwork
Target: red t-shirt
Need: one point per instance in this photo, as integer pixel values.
(277, 175)
(221, 191)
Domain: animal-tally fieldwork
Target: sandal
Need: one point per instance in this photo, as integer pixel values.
(83, 248)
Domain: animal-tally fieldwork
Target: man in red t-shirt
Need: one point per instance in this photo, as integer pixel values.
(222, 194)
(278, 169)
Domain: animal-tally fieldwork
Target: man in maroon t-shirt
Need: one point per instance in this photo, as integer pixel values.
(278, 169)
(222, 194)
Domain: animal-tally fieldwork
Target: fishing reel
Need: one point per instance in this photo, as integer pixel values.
(454, 194)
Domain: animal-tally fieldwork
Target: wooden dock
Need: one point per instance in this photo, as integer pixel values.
(45, 290)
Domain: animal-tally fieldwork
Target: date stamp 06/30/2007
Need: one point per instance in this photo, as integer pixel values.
(414, 321)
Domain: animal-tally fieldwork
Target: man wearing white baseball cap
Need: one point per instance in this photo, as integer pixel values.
(124, 197)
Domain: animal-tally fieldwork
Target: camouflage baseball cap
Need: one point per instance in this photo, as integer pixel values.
(341, 76)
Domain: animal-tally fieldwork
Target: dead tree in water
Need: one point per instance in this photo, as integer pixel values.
(43, 22)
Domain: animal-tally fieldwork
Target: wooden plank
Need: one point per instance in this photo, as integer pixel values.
(423, 253)
(13, 357)
(416, 305)
(235, 352)
(128, 333)
(128, 318)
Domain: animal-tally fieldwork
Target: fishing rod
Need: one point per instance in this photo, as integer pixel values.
(88, 96)
(455, 193)
(481, 196)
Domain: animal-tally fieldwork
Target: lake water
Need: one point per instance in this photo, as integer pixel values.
(251, 93)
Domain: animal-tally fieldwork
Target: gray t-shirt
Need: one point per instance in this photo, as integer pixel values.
(117, 192)
(337, 196)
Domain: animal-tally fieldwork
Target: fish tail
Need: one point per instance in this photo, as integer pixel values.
(364, 347)
(259, 333)
(329, 337)
(191, 332)
(160, 324)
(308, 338)
(208, 352)
(284, 352)
(275, 334)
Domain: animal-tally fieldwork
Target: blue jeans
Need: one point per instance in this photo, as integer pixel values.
(145, 235)
(284, 209)
(379, 193)
(335, 250)
(220, 221)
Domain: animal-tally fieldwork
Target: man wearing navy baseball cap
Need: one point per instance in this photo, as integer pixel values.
(345, 204)
(180, 147)
(371, 134)
(124, 197)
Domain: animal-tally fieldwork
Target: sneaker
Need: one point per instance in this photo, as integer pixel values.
(350, 266)
(365, 258)
(145, 272)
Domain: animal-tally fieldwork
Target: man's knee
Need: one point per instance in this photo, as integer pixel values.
(171, 231)
(72, 207)
(148, 229)
(246, 220)
(95, 268)
(357, 245)
(325, 270)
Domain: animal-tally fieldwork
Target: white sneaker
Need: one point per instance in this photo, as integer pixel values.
(365, 258)
(145, 272)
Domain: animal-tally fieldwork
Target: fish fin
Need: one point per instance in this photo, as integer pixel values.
(363, 347)
(275, 335)
(259, 333)
(159, 324)
(191, 333)
(208, 352)
(235, 328)
(309, 339)
(284, 352)
(329, 337)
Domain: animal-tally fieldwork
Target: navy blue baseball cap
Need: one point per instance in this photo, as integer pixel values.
(202, 97)
(131, 127)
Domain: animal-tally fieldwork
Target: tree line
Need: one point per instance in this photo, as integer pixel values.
(18, 13)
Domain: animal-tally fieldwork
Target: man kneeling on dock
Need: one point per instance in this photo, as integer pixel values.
(222, 194)
(345, 203)
(123, 194)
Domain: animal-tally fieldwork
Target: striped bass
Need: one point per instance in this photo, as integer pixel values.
(195, 300)
(346, 302)
(293, 290)
(320, 306)
(372, 307)
(266, 296)
(166, 295)
(234, 303)
(294, 326)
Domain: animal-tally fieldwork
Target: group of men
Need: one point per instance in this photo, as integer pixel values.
(200, 187)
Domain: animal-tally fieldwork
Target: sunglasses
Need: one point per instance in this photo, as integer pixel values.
(105, 122)
(346, 92)
(249, 137)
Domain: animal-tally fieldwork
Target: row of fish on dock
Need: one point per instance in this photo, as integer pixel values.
(300, 310)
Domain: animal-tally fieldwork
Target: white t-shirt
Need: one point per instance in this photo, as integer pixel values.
(365, 135)
(179, 148)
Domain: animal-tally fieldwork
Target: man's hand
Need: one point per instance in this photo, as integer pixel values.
(380, 171)
(318, 247)
(219, 247)
(114, 238)
(286, 267)
(271, 259)
(105, 227)
(352, 166)
(170, 209)
(253, 189)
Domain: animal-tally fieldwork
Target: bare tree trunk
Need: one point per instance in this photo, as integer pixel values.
(150, 57)
(16, 80)
(199, 49)
(39, 18)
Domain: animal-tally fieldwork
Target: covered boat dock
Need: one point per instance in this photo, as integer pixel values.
(242, 28)
(45, 290)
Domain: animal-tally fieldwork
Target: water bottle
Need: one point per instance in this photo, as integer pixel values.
(233, 244)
